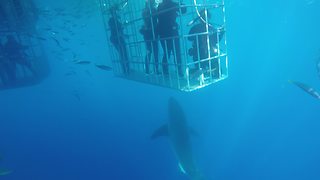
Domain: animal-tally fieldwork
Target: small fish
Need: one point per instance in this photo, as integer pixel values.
(306, 88)
(41, 38)
(83, 62)
(75, 60)
(104, 67)
(4, 172)
(57, 42)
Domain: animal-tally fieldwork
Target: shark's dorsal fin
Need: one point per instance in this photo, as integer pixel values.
(162, 131)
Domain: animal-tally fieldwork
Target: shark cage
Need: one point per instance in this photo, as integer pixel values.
(22, 58)
(170, 43)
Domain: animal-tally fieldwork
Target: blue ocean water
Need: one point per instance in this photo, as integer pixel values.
(92, 125)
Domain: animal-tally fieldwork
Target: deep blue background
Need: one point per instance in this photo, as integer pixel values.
(253, 125)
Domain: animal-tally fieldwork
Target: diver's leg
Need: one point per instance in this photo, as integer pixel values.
(156, 56)
(126, 59)
(124, 53)
(164, 58)
(148, 57)
(170, 50)
(117, 47)
(123, 57)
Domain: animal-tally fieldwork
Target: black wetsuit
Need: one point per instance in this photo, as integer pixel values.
(168, 30)
(150, 36)
(200, 50)
(117, 39)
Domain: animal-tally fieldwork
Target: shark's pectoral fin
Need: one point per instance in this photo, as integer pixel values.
(162, 131)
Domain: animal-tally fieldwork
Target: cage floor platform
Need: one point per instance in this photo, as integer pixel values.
(186, 83)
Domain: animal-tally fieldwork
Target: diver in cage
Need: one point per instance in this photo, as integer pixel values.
(168, 30)
(200, 36)
(117, 38)
(15, 52)
(150, 34)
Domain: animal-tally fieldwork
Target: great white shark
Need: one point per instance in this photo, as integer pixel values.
(178, 132)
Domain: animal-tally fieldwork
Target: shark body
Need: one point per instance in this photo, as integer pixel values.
(178, 132)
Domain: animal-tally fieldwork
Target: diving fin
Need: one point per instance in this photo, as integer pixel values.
(162, 131)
